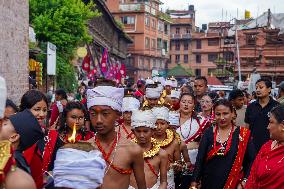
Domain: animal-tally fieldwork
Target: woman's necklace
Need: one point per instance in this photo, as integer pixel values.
(186, 131)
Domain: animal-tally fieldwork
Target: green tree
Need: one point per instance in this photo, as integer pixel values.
(65, 24)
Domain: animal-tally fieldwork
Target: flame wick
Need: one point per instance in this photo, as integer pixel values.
(72, 138)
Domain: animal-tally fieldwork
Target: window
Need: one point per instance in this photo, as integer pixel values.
(187, 30)
(198, 58)
(198, 44)
(228, 56)
(177, 58)
(185, 58)
(147, 21)
(177, 46)
(159, 43)
(153, 46)
(165, 46)
(197, 72)
(128, 20)
(212, 57)
(166, 29)
(160, 26)
(185, 46)
(251, 39)
(153, 23)
(213, 42)
(147, 42)
(177, 30)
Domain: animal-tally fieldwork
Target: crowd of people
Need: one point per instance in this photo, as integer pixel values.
(156, 135)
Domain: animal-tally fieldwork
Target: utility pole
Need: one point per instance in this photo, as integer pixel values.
(238, 53)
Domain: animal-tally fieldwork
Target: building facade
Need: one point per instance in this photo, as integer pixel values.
(14, 40)
(149, 30)
(262, 49)
(181, 30)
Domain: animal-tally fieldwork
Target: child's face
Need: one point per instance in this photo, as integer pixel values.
(143, 134)
(77, 117)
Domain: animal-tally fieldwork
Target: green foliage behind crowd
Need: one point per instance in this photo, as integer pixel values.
(65, 24)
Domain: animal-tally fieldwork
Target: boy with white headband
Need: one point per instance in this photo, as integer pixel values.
(153, 95)
(169, 141)
(122, 157)
(129, 105)
(155, 159)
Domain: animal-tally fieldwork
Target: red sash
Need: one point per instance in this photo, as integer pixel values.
(216, 148)
(198, 133)
(48, 149)
(233, 178)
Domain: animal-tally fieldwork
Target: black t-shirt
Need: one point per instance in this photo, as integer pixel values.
(258, 120)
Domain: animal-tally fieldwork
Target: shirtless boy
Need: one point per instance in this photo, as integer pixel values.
(155, 158)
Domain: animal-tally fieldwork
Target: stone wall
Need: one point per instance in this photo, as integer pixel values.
(14, 26)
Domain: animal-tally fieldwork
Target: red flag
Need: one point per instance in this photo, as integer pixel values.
(86, 64)
(104, 61)
(92, 73)
(123, 70)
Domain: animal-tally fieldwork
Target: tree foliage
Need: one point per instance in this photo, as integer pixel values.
(65, 24)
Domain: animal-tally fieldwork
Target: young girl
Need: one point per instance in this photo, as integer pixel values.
(74, 115)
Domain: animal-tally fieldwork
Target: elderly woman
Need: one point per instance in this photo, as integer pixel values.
(268, 168)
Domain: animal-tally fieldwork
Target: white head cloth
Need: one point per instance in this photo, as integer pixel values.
(149, 81)
(78, 169)
(161, 113)
(130, 104)
(168, 82)
(174, 83)
(175, 94)
(3, 96)
(152, 93)
(144, 118)
(105, 96)
(174, 118)
(160, 88)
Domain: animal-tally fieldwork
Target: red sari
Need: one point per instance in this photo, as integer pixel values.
(267, 171)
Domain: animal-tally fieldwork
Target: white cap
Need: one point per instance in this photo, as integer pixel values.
(149, 81)
(161, 113)
(160, 88)
(105, 96)
(153, 93)
(175, 94)
(168, 82)
(174, 118)
(3, 96)
(130, 104)
(144, 118)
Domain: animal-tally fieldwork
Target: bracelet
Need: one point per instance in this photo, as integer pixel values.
(193, 187)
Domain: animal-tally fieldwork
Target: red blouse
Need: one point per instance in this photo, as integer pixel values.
(267, 171)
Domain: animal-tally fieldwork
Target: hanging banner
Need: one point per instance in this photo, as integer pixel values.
(104, 61)
(86, 64)
(51, 59)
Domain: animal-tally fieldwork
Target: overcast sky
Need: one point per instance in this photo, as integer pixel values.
(211, 10)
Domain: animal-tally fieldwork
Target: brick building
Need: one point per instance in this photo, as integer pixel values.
(263, 49)
(182, 27)
(14, 54)
(149, 30)
(107, 33)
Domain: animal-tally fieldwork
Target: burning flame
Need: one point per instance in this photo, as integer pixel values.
(72, 138)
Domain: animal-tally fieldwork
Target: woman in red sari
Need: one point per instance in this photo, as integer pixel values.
(268, 168)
